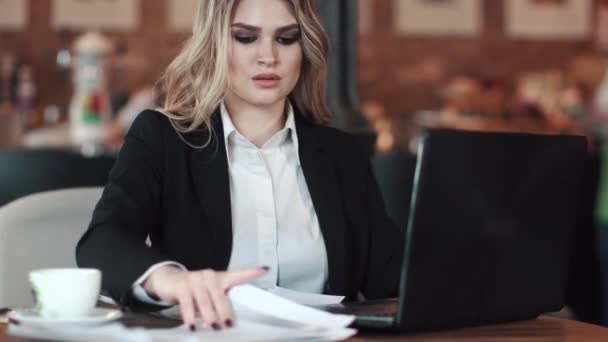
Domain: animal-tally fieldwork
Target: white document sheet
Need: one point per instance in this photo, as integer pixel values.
(250, 331)
(252, 303)
(260, 316)
(304, 298)
(109, 332)
(243, 331)
(252, 300)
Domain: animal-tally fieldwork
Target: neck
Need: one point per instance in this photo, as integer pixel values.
(256, 123)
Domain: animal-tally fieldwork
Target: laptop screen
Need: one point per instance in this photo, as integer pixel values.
(488, 237)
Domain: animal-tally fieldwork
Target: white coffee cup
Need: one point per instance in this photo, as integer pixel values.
(65, 292)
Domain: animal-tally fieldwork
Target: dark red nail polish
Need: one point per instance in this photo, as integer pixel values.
(265, 268)
(215, 326)
(229, 323)
(192, 327)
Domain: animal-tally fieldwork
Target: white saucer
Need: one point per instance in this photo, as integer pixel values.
(96, 317)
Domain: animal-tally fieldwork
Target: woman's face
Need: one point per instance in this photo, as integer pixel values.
(266, 55)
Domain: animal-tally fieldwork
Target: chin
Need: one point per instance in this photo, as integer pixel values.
(266, 99)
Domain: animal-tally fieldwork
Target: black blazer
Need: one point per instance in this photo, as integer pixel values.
(180, 197)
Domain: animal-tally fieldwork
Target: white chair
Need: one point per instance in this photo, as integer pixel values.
(40, 231)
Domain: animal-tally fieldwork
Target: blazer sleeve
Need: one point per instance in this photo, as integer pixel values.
(127, 212)
(386, 246)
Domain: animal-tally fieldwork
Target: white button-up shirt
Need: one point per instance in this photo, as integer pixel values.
(273, 219)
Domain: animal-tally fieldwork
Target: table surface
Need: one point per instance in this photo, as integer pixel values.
(542, 329)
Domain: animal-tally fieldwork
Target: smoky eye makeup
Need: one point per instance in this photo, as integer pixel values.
(288, 38)
(247, 34)
(244, 33)
(244, 37)
(284, 39)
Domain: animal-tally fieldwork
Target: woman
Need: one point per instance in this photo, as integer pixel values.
(237, 180)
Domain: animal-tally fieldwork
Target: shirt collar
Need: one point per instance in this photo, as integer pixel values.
(226, 122)
(290, 125)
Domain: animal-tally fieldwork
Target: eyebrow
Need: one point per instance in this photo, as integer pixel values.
(258, 29)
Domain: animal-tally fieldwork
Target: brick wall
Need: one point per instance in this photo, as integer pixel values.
(400, 72)
(392, 67)
(38, 46)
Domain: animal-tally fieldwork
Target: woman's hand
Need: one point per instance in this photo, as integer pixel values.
(203, 291)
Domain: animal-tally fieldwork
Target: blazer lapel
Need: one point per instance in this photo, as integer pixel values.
(209, 168)
(324, 191)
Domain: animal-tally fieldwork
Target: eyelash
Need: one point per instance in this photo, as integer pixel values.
(280, 40)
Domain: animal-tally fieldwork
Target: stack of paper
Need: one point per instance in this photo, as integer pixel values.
(108, 332)
(306, 298)
(260, 316)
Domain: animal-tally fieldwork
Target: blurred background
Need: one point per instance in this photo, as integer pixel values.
(398, 65)
(74, 74)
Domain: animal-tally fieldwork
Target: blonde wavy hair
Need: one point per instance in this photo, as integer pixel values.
(193, 84)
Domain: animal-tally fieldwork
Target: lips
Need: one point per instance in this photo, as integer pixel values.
(264, 77)
(267, 80)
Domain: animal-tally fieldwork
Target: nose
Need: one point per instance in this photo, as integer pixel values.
(267, 53)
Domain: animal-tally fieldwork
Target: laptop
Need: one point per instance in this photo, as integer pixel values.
(489, 233)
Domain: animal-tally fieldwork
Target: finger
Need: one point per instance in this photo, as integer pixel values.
(186, 304)
(234, 278)
(205, 307)
(222, 305)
